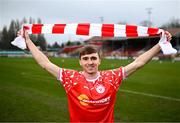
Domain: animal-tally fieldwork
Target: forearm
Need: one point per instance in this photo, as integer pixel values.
(144, 58)
(37, 54)
(141, 60)
(147, 56)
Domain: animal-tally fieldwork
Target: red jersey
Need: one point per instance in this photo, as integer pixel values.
(91, 101)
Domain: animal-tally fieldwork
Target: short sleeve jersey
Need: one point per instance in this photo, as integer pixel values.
(91, 101)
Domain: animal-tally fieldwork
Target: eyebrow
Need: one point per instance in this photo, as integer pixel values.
(92, 57)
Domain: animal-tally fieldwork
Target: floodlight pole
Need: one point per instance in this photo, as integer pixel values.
(149, 16)
(102, 21)
(149, 24)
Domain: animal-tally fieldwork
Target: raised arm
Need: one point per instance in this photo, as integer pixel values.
(143, 59)
(40, 58)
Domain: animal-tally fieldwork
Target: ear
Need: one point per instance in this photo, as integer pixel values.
(80, 62)
(99, 62)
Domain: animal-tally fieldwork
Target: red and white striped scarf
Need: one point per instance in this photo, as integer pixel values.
(91, 29)
(102, 30)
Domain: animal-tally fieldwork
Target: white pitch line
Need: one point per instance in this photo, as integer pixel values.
(150, 95)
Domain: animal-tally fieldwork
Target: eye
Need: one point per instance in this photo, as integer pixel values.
(93, 58)
(85, 58)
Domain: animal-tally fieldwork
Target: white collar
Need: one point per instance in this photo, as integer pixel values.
(93, 80)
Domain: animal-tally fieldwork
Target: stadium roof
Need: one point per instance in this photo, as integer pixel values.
(69, 49)
(174, 31)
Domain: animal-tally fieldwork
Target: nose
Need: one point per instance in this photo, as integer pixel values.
(90, 61)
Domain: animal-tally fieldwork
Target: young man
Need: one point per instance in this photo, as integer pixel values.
(91, 93)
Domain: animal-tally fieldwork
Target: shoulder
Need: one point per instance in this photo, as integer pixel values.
(117, 72)
(69, 72)
(112, 71)
(66, 73)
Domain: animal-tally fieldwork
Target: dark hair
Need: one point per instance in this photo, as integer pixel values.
(89, 49)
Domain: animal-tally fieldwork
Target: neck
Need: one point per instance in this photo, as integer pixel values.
(91, 75)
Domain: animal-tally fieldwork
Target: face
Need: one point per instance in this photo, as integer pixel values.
(90, 63)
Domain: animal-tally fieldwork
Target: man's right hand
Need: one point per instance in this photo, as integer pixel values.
(23, 33)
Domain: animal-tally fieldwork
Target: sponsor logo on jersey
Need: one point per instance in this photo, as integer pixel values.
(81, 98)
(84, 100)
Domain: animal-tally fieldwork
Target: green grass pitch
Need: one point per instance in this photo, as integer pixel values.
(29, 93)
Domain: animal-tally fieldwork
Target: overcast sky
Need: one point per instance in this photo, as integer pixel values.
(70, 11)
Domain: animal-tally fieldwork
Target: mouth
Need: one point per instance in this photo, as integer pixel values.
(91, 67)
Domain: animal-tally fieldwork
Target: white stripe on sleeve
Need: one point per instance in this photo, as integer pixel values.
(60, 74)
(123, 73)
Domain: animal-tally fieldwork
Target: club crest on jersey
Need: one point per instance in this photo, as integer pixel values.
(100, 89)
